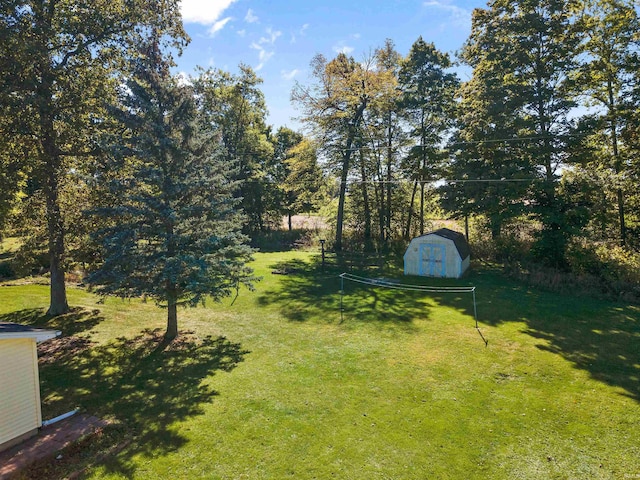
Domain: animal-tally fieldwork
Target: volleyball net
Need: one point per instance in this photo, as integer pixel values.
(385, 283)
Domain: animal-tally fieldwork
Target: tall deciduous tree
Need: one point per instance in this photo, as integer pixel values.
(544, 42)
(63, 55)
(428, 100)
(487, 146)
(334, 107)
(304, 182)
(388, 135)
(611, 46)
(174, 233)
(235, 107)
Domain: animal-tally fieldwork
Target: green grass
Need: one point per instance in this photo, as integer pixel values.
(274, 384)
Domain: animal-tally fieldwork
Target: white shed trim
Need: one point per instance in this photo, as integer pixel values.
(11, 331)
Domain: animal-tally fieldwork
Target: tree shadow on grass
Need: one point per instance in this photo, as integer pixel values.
(598, 336)
(307, 291)
(144, 384)
(77, 320)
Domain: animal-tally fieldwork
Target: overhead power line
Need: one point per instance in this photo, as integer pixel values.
(447, 180)
(473, 142)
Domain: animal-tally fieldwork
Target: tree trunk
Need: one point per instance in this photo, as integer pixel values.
(421, 208)
(378, 196)
(58, 295)
(380, 202)
(346, 158)
(367, 207)
(342, 195)
(422, 172)
(58, 304)
(290, 225)
(172, 314)
(172, 322)
(407, 232)
(389, 162)
(617, 163)
(51, 166)
(466, 227)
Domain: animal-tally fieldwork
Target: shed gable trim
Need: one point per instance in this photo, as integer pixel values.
(457, 238)
(10, 330)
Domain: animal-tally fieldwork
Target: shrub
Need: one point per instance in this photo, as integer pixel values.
(6, 271)
(606, 271)
(513, 245)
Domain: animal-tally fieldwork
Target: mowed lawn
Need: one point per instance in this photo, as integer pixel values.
(274, 384)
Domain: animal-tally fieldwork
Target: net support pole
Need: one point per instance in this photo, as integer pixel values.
(475, 310)
(341, 295)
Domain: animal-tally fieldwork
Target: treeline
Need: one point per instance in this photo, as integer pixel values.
(151, 182)
(109, 161)
(544, 133)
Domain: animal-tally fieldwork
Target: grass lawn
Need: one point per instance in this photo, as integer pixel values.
(274, 385)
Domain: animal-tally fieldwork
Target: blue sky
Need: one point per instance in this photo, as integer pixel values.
(279, 38)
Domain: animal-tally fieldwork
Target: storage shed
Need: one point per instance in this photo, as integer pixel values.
(442, 253)
(20, 415)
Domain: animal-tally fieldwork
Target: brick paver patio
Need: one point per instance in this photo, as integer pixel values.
(47, 443)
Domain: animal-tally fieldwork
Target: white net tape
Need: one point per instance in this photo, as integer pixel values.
(381, 282)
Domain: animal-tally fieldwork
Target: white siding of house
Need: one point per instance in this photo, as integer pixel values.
(19, 389)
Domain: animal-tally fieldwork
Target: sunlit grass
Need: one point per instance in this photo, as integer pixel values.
(10, 244)
(401, 387)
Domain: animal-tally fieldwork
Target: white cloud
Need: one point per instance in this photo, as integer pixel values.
(263, 55)
(204, 12)
(242, 32)
(342, 48)
(262, 44)
(300, 32)
(272, 37)
(219, 25)
(356, 36)
(459, 16)
(250, 17)
(289, 75)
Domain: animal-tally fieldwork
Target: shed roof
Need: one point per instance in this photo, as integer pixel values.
(16, 330)
(458, 240)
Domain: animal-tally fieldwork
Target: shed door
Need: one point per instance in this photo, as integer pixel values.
(432, 260)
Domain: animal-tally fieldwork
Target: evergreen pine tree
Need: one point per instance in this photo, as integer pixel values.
(174, 222)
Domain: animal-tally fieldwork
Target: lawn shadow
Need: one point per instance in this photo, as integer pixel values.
(307, 290)
(144, 384)
(76, 321)
(598, 336)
